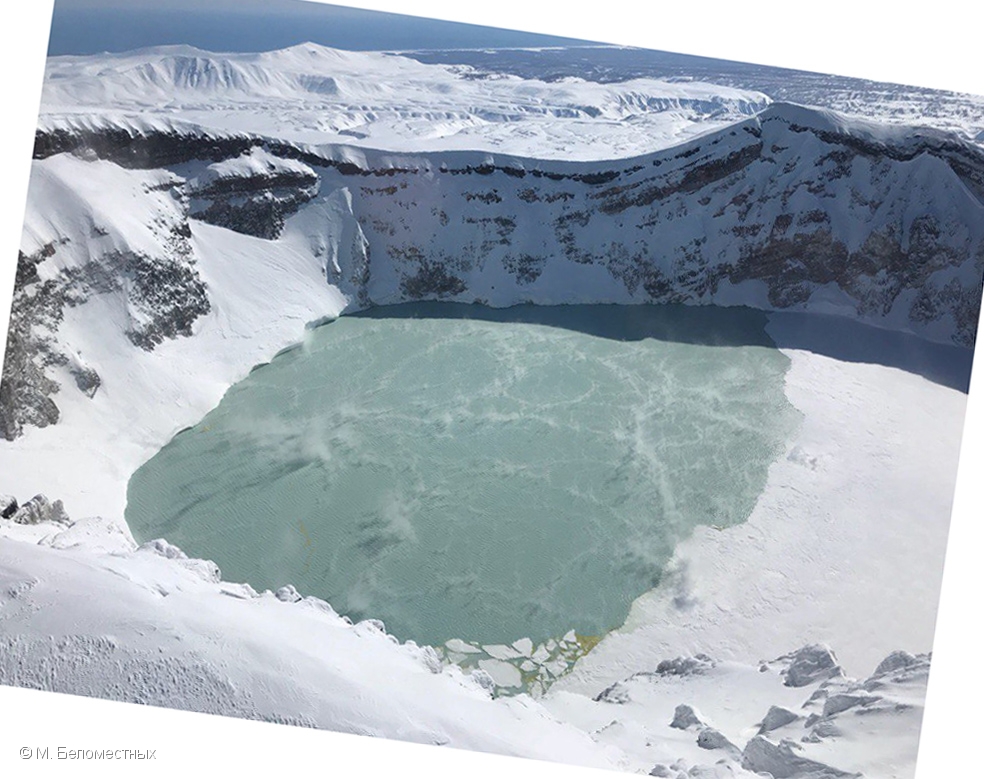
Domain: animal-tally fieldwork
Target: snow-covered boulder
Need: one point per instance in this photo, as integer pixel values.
(685, 666)
(835, 704)
(686, 717)
(38, 510)
(711, 738)
(781, 761)
(811, 664)
(288, 594)
(8, 505)
(777, 717)
(897, 661)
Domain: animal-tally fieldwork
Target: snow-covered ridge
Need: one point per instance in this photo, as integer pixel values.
(960, 113)
(257, 165)
(151, 626)
(139, 142)
(309, 93)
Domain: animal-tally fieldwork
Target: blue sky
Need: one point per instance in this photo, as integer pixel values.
(92, 26)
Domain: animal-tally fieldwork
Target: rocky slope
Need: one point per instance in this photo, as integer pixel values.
(133, 249)
(692, 716)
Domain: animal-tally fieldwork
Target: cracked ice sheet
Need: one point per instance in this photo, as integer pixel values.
(845, 545)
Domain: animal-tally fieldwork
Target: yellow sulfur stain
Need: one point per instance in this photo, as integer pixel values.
(308, 544)
(587, 643)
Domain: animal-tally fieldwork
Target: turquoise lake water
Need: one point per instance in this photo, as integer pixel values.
(464, 472)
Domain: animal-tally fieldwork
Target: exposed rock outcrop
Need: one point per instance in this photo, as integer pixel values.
(710, 738)
(782, 761)
(898, 661)
(253, 193)
(148, 271)
(685, 717)
(8, 505)
(811, 664)
(775, 718)
(35, 313)
(38, 510)
(685, 666)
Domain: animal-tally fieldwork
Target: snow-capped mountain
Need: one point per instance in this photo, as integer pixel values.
(313, 94)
